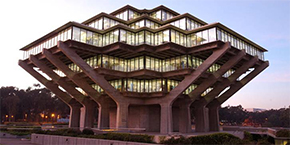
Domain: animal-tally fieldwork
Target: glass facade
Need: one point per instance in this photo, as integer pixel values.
(161, 15)
(147, 37)
(144, 23)
(238, 43)
(48, 43)
(127, 15)
(146, 86)
(103, 23)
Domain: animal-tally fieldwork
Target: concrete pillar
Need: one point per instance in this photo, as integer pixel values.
(74, 120)
(201, 119)
(213, 114)
(104, 116)
(184, 119)
(87, 114)
(166, 124)
(122, 115)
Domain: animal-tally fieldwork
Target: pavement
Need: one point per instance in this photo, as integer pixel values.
(15, 141)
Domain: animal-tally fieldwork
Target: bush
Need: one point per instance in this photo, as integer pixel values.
(283, 133)
(88, 131)
(248, 136)
(217, 138)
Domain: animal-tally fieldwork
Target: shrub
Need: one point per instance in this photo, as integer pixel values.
(72, 132)
(248, 136)
(283, 133)
(88, 131)
(217, 138)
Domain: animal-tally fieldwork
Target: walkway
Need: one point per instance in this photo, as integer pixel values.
(14, 141)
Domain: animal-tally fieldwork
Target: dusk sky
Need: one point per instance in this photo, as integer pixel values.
(265, 22)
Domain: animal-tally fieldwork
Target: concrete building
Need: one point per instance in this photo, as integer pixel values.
(144, 69)
(255, 109)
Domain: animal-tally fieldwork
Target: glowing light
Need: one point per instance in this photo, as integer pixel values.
(42, 115)
(52, 115)
(46, 116)
(6, 116)
(12, 116)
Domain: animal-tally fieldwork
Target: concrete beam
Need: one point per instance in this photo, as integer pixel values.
(81, 82)
(90, 72)
(57, 79)
(189, 79)
(122, 102)
(48, 84)
(216, 75)
(238, 85)
(232, 78)
(88, 110)
(71, 102)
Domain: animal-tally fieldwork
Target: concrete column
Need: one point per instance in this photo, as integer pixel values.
(184, 119)
(213, 114)
(166, 123)
(201, 117)
(104, 116)
(122, 115)
(74, 120)
(87, 114)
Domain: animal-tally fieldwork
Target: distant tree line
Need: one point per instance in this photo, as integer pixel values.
(33, 104)
(236, 115)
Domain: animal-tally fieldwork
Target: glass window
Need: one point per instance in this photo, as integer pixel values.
(123, 36)
(166, 36)
(76, 34)
(83, 35)
(148, 64)
(89, 37)
(182, 23)
(212, 34)
(199, 39)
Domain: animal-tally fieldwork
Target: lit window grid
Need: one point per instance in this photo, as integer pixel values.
(50, 42)
(147, 37)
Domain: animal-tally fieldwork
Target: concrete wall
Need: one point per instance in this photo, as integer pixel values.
(42, 139)
(144, 116)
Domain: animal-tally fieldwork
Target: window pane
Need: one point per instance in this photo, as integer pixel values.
(76, 34)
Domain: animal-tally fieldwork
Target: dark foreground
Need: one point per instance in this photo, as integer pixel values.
(14, 141)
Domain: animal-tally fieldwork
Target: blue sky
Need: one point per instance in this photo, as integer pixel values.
(265, 22)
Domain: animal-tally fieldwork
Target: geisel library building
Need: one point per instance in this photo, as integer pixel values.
(144, 69)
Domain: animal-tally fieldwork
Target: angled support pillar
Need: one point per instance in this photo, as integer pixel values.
(87, 111)
(227, 81)
(166, 122)
(195, 94)
(122, 116)
(191, 78)
(215, 103)
(90, 72)
(238, 85)
(166, 108)
(82, 83)
(71, 102)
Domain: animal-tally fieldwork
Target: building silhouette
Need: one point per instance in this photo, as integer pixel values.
(145, 70)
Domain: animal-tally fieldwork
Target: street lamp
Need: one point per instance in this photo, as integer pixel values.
(52, 116)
